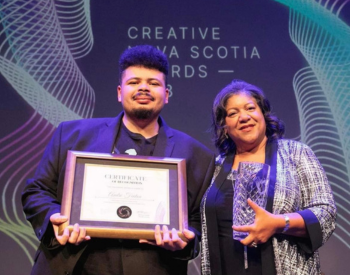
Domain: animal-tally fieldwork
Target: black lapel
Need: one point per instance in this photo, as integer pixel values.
(267, 255)
(164, 144)
(213, 241)
(105, 139)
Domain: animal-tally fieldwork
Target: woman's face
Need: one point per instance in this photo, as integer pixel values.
(245, 122)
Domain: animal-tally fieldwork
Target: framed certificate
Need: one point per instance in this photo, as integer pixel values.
(122, 196)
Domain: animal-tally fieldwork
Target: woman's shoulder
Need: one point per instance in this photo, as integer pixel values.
(293, 148)
(219, 160)
(291, 143)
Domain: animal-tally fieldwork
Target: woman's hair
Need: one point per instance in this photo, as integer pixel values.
(274, 126)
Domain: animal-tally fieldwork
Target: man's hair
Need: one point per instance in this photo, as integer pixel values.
(274, 126)
(144, 56)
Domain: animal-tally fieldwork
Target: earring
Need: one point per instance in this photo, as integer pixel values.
(226, 135)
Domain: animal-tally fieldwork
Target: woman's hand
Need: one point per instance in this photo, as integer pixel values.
(264, 226)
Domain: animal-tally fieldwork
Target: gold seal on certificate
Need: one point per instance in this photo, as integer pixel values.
(121, 196)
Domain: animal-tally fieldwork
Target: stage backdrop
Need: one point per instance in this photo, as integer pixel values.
(59, 61)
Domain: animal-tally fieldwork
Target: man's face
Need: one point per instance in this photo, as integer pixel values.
(142, 92)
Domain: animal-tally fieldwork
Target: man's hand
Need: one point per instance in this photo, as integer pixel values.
(75, 237)
(172, 243)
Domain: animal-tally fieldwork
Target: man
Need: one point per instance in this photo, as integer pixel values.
(137, 130)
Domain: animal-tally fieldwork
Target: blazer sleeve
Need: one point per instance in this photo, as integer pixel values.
(200, 168)
(318, 206)
(39, 197)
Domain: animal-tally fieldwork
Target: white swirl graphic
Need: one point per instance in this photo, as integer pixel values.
(39, 42)
(323, 94)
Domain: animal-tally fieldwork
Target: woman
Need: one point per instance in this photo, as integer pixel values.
(300, 213)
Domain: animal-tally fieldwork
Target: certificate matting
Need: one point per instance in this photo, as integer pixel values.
(125, 194)
(75, 206)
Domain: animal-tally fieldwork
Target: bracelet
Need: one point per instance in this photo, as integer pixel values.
(286, 218)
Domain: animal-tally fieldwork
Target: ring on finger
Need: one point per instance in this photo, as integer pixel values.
(254, 244)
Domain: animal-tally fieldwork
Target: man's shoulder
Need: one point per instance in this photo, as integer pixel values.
(187, 140)
(87, 122)
(183, 136)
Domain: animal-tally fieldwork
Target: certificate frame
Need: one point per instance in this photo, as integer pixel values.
(78, 165)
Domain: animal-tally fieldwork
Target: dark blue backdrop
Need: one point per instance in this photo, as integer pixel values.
(60, 61)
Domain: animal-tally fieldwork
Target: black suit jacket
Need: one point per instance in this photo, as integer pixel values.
(43, 193)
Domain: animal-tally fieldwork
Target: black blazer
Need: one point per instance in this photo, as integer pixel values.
(42, 194)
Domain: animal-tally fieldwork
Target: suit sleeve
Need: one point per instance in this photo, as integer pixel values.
(200, 169)
(39, 198)
(318, 209)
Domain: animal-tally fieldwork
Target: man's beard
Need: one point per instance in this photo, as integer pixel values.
(143, 113)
